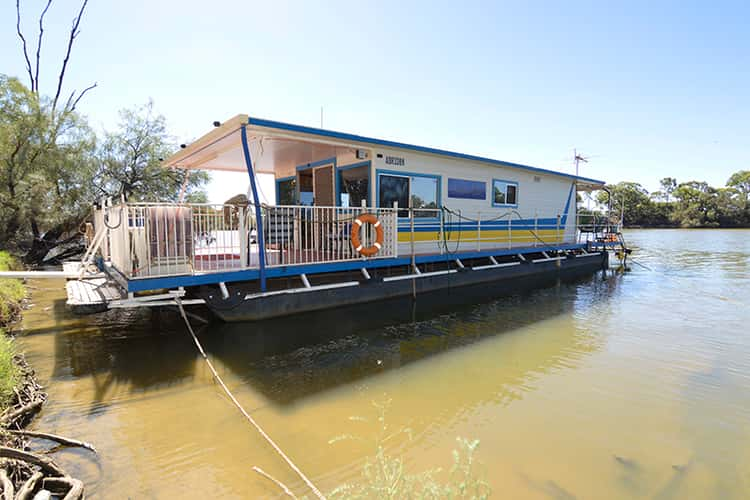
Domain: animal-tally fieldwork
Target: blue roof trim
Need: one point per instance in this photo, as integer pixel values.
(144, 284)
(260, 122)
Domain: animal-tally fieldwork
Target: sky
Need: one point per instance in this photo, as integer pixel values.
(644, 89)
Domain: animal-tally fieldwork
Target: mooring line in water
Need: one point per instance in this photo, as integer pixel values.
(242, 410)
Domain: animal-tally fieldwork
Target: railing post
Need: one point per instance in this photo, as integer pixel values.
(479, 231)
(558, 228)
(244, 236)
(536, 227)
(510, 231)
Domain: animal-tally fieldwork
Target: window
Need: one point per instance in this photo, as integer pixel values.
(470, 190)
(504, 193)
(286, 191)
(415, 191)
(354, 185)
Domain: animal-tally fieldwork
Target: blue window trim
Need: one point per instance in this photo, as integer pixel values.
(366, 163)
(319, 163)
(492, 194)
(279, 181)
(401, 173)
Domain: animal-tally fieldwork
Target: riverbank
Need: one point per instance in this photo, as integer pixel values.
(24, 473)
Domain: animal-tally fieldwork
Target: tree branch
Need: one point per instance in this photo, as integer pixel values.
(39, 45)
(80, 96)
(73, 34)
(23, 42)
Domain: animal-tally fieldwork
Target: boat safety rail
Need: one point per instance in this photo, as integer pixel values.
(596, 226)
(454, 230)
(319, 234)
(168, 239)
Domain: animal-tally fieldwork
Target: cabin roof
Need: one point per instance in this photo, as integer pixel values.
(221, 149)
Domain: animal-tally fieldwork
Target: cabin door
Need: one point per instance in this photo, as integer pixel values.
(324, 189)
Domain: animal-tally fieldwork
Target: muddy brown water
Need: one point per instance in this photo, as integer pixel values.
(622, 385)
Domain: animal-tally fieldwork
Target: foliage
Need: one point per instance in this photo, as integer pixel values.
(9, 374)
(129, 161)
(687, 204)
(45, 160)
(386, 476)
(12, 292)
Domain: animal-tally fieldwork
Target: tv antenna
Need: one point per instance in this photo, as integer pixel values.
(578, 157)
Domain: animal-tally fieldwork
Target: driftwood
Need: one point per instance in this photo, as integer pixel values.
(10, 417)
(54, 437)
(26, 491)
(8, 489)
(72, 488)
(46, 464)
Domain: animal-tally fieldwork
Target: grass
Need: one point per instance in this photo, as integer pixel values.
(12, 293)
(387, 477)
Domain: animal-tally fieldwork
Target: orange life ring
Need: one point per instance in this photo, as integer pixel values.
(357, 227)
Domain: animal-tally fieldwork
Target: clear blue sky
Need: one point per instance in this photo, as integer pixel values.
(647, 90)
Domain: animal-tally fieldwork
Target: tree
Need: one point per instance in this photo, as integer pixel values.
(46, 167)
(741, 182)
(129, 161)
(43, 149)
(668, 185)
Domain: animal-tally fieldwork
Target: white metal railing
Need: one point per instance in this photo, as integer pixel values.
(594, 227)
(167, 239)
(451, 231)
(315, 234)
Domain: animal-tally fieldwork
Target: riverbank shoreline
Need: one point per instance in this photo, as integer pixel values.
(24, 473)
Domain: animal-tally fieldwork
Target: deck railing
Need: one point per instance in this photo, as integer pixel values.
(167, 239)
(450, 231)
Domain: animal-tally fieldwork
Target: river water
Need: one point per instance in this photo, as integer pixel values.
(631, 384)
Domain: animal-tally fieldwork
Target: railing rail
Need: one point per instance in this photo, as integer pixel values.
(167, 239)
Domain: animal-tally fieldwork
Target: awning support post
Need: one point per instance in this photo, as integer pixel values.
(256, 204)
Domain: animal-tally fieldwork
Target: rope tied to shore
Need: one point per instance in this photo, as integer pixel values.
(250, 419)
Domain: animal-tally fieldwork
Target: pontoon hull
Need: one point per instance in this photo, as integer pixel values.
(498, 281)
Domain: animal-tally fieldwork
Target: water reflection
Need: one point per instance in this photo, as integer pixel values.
(290, 358)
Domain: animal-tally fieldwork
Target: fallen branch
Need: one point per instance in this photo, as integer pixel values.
(54, 437)
(274, 480)
(8, 489)
(13, 415)
(74, 487)
(27, 490)
(46, 464)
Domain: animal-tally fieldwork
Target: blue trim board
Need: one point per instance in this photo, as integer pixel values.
(492, 194)
(145, 284)
(260, 122)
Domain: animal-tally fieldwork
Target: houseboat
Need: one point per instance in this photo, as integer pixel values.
(352, 220)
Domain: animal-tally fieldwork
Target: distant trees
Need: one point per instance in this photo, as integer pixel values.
(687, 204)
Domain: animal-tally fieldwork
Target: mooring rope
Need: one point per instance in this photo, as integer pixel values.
(242, 410)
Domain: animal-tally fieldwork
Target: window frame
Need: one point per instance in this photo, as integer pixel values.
(409, 175)
(278, 188)
(506, 183)
(366, 163)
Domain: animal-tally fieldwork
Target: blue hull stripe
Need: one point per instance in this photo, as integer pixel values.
(144, 284)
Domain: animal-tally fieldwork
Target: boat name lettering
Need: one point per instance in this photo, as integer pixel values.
(395, 160)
